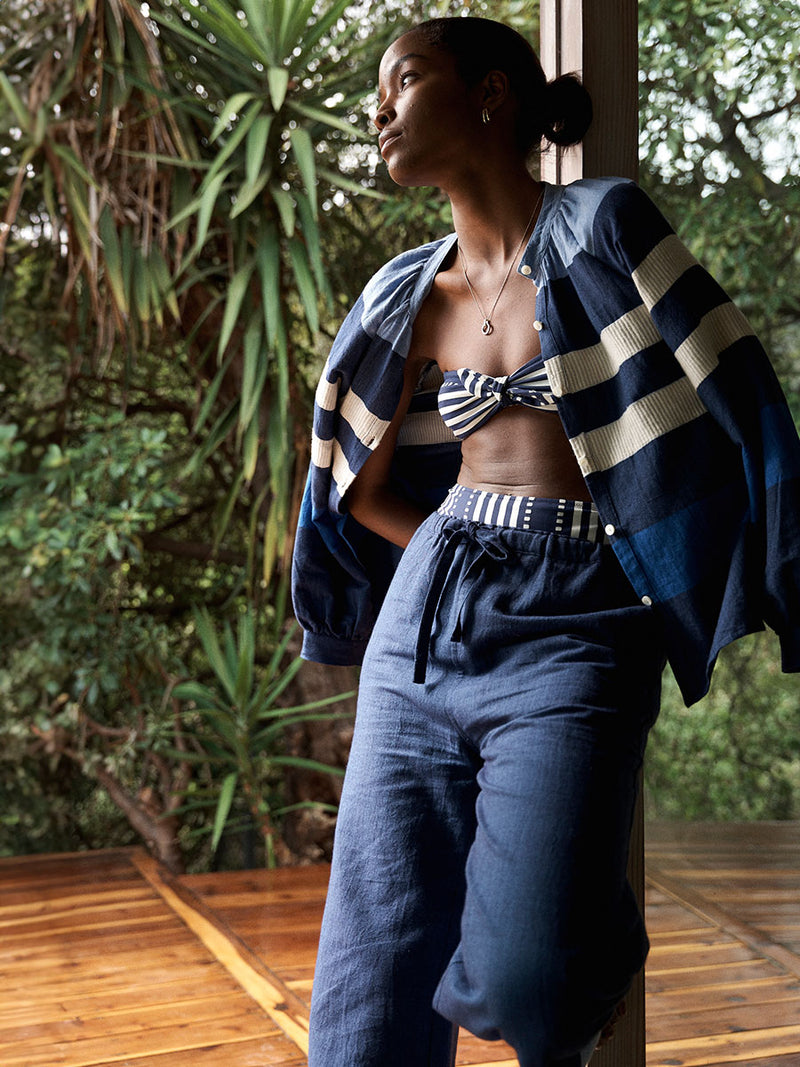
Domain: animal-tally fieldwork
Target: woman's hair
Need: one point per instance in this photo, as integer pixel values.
(559, 110)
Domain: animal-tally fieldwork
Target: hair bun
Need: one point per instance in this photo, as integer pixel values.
(568, 110)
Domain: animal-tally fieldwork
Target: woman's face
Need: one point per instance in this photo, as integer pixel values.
(428, 121)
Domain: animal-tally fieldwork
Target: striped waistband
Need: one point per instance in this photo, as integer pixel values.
(571, 518)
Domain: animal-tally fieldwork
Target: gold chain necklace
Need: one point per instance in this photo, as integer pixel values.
(487, 326)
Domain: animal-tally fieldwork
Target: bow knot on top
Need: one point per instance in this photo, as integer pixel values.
(467, 399)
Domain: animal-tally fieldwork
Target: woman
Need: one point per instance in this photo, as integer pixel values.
(625, 491)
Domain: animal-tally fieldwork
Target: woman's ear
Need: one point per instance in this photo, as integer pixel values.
(495, 90)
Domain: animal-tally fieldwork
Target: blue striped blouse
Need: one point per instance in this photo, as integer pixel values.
(669, 402)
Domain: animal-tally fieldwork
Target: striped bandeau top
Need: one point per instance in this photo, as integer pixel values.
(467, 399)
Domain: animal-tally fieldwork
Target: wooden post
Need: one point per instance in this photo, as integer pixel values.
(598, 40)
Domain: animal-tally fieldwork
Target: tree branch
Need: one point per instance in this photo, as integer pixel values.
(770, 113)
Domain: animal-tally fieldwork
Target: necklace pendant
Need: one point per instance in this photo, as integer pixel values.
(487, 328)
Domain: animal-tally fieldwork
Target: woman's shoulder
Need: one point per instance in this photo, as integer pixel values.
(394, 285)
(405, 266)
(383, 312)
(598, 188)
(587, 200)
(602, 213)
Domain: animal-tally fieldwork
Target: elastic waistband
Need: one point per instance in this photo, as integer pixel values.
(571, 518)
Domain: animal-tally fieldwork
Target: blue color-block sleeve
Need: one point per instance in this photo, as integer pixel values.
(731, 373)
(340, 572)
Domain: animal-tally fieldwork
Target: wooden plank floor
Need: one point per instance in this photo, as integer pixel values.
(724, 990)
(97, 968)
(106, 960)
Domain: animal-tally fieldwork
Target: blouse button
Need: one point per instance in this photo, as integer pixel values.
(538, 325)
(647, 601)
(610, 529)
(526, 270)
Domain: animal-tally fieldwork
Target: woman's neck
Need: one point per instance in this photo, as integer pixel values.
(490, 219)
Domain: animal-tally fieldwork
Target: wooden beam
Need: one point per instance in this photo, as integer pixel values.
(598, 39)
(252, 974)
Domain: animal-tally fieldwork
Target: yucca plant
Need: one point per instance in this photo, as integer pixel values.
(176, 154)
(174, 158)
(275, 71)
(237, 728)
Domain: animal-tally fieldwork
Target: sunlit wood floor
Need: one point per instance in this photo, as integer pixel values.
(106, 960)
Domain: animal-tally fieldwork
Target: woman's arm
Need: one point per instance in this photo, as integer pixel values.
(370, 499)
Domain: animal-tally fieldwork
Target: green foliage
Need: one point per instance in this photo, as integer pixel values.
(720, 132)
(733, 755)
(47, 804)
(73, 521)
(79, 510)
(238, 725)
(191, 199)
(163, 278)
(273, 70)
(720, 141)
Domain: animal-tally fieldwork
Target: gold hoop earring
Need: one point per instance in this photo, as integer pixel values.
(486, 118)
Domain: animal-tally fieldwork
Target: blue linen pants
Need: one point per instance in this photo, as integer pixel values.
(479, 868)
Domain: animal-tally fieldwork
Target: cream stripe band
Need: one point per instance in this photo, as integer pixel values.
(643, 422)
(570, 518)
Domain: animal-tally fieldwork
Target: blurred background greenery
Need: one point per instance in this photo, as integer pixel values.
(191, 198)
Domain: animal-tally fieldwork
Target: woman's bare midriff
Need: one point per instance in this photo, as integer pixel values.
(525, 452)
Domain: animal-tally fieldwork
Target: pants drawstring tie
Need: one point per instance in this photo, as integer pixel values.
(453, 537)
